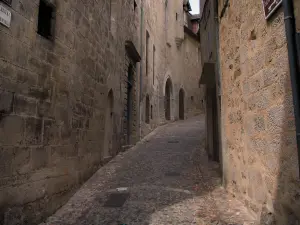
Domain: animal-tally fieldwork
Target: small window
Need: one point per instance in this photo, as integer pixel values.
(135, 5)
(45, 19)
(176, 16)
(192, 98)
(8, 2)
(147, 52)
(153, 64)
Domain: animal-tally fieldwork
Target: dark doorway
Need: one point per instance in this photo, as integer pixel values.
(147, 109)
(181, 104)
(168, 93)
(216, 153)
(108, 141)
(212, 124)
(129, 102)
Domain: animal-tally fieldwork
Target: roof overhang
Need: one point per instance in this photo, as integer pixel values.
(191, 33)
(208, 75)
(132, 52)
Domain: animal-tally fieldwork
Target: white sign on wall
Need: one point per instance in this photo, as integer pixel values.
(5, 16)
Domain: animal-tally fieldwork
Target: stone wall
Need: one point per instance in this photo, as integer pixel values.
(176, 62)
(259, 147)
(53, 98)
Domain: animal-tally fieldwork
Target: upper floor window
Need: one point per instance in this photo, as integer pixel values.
(8, 2)
(134, 5)
(46, 19)
(147, 52)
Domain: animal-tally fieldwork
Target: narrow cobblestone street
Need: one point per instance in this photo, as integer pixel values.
(165, 179)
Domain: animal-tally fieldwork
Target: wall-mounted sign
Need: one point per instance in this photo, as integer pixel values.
(8, 2)
(270, 6)
(5, 16)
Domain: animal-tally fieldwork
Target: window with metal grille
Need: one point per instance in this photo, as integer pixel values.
(46, 19)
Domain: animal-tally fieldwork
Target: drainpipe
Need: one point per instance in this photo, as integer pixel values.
(141, 66)
(290, 29)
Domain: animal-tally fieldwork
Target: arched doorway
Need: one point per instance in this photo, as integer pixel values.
(168, 94)
(108, 140)
(147, 120)
(181, 104)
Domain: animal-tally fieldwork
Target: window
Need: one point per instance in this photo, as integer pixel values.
(46, 19)
(147, 52)
(176, 16)
(153, 63)
(8, 2)
(135, 5)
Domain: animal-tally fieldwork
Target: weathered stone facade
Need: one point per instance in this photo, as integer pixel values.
(54, 96)
(259, 145)
(176, 62)
(210, 76)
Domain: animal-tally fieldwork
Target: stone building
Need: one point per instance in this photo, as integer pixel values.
(171, 64)
(73, 93)
(210, 76)
(69, 98)
(260, 160)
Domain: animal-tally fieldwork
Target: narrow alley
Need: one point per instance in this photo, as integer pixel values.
(154, 112)
(164, 179)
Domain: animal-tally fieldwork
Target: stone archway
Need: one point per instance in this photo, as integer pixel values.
(181, 104)
(108, 141)
(147, 119)
(168, 95)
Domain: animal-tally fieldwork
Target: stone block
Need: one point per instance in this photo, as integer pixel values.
(53, 59)
(256, 82)
(259, 101)
(6, 157)
(39, 157)
(6, 101)
(33, 131)
(6, 46)
(24, 105)
(259, 123)
(270, 75)
(60, 184)
(277, 119)
(271, 163)
(23, 193)
(12, 129)
(21, 160)
(51, 134)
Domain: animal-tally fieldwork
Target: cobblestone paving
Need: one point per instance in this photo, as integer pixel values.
(165, 179)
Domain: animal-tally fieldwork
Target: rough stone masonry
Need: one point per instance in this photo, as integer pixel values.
(259, 144)
(53, 96)
(69, 92)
